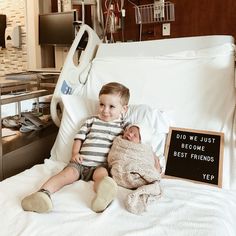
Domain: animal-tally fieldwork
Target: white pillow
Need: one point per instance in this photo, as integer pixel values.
(78, 108)
(156, 120)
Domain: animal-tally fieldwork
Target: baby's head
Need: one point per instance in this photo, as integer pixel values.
(137, 133)
(132, 134)
(113, 101)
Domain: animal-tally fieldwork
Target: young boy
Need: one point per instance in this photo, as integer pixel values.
(89, 153)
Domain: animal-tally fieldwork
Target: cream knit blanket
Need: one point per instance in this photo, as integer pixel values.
(132, 167)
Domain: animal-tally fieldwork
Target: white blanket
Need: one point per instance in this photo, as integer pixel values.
(133, 167)
(185, 209)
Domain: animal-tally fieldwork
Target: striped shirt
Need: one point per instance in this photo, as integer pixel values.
(97, 137)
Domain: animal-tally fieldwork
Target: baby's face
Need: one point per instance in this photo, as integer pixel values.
(132, 134)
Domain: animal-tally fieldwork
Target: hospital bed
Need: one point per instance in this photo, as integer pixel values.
(186, 83)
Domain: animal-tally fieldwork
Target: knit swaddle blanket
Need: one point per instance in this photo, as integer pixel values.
(132, 167)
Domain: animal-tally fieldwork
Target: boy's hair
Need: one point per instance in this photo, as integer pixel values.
(117, 89)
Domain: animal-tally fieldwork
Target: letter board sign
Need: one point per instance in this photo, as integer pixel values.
(195, 155)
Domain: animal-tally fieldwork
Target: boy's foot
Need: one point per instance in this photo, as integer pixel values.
(106, 192)
(38, 202)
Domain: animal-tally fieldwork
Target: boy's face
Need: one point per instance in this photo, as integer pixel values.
(110, 107)
(132, 134)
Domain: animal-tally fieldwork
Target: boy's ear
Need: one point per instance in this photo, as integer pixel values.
(125, 108)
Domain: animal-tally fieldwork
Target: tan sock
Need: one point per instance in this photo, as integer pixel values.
(37, 202)
(106, 192)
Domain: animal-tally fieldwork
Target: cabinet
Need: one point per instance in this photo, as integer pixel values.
(23, 150)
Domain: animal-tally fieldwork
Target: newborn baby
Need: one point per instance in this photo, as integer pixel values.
(134, 166)
(132, 133)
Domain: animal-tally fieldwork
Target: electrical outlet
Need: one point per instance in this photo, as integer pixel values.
(166, 29)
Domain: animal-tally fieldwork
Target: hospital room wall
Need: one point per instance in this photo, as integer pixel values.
(13, 59)
(204, 17)
(192, 18)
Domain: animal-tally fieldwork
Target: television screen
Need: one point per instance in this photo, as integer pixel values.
(57, 28)
(3, 26)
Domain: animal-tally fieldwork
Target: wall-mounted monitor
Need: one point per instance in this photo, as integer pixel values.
(3, 25)
(57, 28)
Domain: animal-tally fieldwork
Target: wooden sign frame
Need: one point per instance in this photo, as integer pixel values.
(194, 155)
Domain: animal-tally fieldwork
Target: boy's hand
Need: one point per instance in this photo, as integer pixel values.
(77, 158)
(157, 163)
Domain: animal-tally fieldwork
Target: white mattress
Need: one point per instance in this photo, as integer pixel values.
(185, 209)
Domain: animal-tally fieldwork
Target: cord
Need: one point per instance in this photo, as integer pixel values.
(123, 24)
(140, 22)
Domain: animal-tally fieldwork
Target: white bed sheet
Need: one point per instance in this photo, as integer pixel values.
(185, 209)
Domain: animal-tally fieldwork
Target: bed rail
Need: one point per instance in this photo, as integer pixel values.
(70, 73)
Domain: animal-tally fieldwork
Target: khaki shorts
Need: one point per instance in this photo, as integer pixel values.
(86, 172)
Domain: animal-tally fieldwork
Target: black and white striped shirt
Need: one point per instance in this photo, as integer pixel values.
(97, 137)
